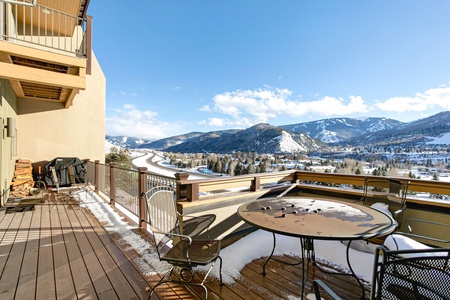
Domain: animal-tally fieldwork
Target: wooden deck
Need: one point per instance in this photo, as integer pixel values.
(66, 254)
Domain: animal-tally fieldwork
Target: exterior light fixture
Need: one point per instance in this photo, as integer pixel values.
(10, 127)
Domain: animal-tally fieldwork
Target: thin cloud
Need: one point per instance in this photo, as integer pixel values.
(132, 92)
(129, 94)
(130, 121)
(215, 122)
(421, 102)
(205, 108)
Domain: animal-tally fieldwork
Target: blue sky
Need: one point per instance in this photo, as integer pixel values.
(174, 67)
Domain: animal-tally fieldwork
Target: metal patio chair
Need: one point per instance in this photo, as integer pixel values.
(406, 274)
(180, 250)
(63, 195)
(390, 189)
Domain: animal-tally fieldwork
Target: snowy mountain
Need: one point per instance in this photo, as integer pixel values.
(125, 141)
(304, 137)
(171, 141)
(422, 131)
(341, 129)
(261, 138)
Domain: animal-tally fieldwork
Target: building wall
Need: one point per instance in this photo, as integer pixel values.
(78, 131)
(8, 107)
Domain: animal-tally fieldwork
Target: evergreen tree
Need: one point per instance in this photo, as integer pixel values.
(230, 170)
(217, 167)
(120, 156)
(239, 169)
(250, 169)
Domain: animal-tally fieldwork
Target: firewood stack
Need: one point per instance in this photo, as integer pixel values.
(23, 179)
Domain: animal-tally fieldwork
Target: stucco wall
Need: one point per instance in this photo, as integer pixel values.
(78, 131)
(8, 107)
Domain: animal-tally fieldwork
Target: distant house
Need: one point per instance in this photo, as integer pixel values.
(52, 88)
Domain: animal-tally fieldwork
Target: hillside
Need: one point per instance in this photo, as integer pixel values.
(304, 137)
(341, 129)
(408, 134)
(261, 138)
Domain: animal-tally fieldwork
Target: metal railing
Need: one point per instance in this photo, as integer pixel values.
(42, 26)
(126, 186)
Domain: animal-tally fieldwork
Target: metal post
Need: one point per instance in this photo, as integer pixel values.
(96, 175)
(88, 45)
(142, 186)
(112, 185)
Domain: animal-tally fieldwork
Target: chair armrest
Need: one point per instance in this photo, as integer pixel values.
(188, 216)
(398, 216)
(195, 225)
(397, 212)
(181, 236)
(444, 226)
(317, 283)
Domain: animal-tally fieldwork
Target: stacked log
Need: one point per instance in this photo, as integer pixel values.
(23, 179)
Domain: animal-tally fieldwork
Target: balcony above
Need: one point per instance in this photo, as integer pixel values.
(43, 49)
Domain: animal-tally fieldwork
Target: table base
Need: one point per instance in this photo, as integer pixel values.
(308, 253)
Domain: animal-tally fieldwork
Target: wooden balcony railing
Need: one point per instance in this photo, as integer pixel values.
(124, 187)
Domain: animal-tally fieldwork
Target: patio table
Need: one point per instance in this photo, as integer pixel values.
(316, 219)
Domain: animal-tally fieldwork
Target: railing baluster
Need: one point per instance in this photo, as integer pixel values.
(47, 31)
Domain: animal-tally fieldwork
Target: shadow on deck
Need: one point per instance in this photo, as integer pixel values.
(66, 253)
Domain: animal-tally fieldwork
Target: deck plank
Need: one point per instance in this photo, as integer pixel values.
(6, 242)
(17, 236)
(81, 279)
(26, 286)
(63, 276)
(45, 285)
(129, 271)
(112, 271)
(101, 283)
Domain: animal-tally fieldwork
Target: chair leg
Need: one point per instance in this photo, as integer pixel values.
(169, 275)
(67, 197)
(161, 281)
(58, 199)
(220, 269)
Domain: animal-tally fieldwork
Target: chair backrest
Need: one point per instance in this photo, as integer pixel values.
(411, 274)
(392, 189)
(386, 186)
(161, 209)
(71, 173)
(55, 178)
(162, 216)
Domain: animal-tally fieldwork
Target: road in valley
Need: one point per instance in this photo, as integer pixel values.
(154, 167)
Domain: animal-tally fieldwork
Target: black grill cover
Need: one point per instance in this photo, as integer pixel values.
(61, 167)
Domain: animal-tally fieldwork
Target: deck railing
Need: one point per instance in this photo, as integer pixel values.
(43, 27)
(125, 186)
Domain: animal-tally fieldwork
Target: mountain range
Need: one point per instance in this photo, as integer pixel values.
(302, 137)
